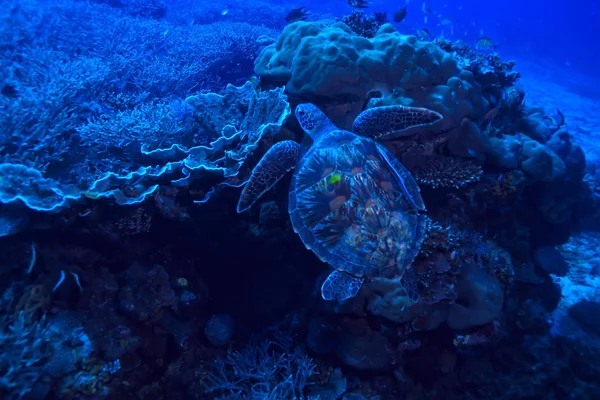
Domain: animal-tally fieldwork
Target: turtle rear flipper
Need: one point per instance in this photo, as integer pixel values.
(390, 122)
(340, 286)
(280, 159)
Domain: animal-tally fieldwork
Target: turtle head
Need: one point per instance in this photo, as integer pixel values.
(312, 120)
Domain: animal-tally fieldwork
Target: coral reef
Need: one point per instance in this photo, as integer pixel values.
(364, 25)
(126, 272)
(239, 121)
(332, 66)
(87, 78)
(275, 369)
(448, 173)
(488, 69)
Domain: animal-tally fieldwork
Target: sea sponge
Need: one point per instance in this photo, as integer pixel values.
(541, 163)
(387, 298)
(480, 300)
(504, 152)
(219, 329)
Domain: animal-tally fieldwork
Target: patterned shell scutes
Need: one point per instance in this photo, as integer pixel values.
(349, 208)
(389, 122)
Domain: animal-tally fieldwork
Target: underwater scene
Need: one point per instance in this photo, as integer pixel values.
(304, 200)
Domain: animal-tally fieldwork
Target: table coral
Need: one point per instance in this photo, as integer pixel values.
(233, 125)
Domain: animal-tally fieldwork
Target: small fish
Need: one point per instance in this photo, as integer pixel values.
(400, 15)
(255, 81)
(359, 3)
(499, 177)
(77, 281)
(297, 14)
(33, 258)
(87, 212)
(423, 33)
(61, 279)
(164, 34)
(485, 42)
(426, 9)
(9, 91)
(471, 198)
(474, 22)
(381, 17)
(558, 118)
(490, 115)
(446, 21)
(224, 12)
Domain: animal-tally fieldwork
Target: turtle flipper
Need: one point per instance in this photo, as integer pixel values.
(408, 185)
(390, 122)
(340, 286)
(281, 158)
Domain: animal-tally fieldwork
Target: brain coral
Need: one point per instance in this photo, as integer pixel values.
(330, 64)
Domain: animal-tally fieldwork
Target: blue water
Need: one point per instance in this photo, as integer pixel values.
(561, 31)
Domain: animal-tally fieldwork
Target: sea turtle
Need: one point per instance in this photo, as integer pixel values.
(351, 201)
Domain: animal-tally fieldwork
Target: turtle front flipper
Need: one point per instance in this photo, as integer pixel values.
(340, 286)
(390, 122)
(281, 158)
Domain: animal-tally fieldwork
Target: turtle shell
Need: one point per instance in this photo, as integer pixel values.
(349, 207)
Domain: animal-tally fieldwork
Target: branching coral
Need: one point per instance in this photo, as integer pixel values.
(488, 69)
(33, 347)
(362, 24)
(446, 172)
(60, 67)
(22, 341)
(205, 12)
(438, 238)
(269, 370)
(156, 9)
